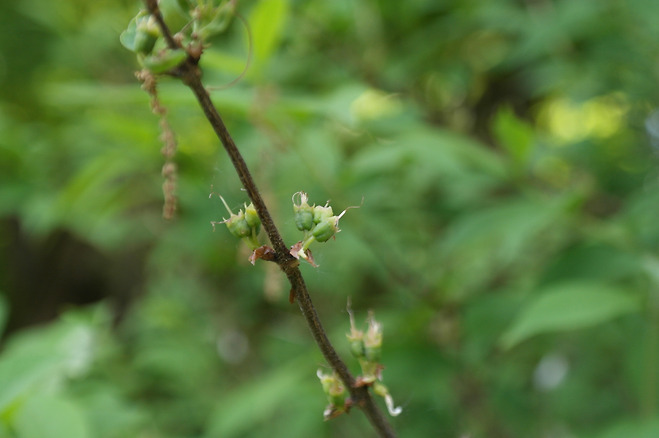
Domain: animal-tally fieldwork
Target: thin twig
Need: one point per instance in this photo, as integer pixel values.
(190, 74)
(152, 6)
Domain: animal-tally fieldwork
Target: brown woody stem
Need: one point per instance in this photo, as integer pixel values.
(190, 74)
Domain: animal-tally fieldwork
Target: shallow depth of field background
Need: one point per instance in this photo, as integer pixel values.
(508, 239)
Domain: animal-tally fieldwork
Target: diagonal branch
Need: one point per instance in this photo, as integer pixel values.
(190, 74)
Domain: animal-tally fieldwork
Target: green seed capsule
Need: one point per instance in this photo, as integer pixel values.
(338, 400)
(320, 213)
(238, 226)
(325, 229)
(303, 212)
(304, 218)
(357, 348)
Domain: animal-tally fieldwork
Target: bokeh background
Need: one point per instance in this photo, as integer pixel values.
(507, 240)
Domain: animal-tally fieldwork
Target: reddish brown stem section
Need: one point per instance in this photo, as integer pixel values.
(190, 74)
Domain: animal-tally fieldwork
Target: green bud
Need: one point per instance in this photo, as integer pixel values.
(245, 224)
(331, 383)
(327, 228)
(252, 217)
(141, 34)
(356, 336)
(213, 19)
(144, 42)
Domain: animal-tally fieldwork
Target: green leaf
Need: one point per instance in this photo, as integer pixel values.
(108, 414)
(514, 135)
(636, 428)
(505, 230)
(176, 13)
(254, 403)
(44, 416)
(141, 34)
(267, 22)
(569, 306)
(214, 20)
(127, 37)
(34, 360)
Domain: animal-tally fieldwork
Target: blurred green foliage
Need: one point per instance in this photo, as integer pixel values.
(507, 239)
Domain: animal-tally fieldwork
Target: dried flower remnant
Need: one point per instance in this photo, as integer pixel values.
(168, 150)
(262, 252)
(382, 391)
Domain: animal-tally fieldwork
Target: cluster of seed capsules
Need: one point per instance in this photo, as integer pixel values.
(318, 222)
(366, 347)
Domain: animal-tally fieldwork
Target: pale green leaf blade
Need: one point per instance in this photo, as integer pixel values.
(267, 23)
(127, 37)
(569, 306)
(44, 416)
(40, 357)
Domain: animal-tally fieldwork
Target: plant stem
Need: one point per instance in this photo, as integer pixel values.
(190, 74)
